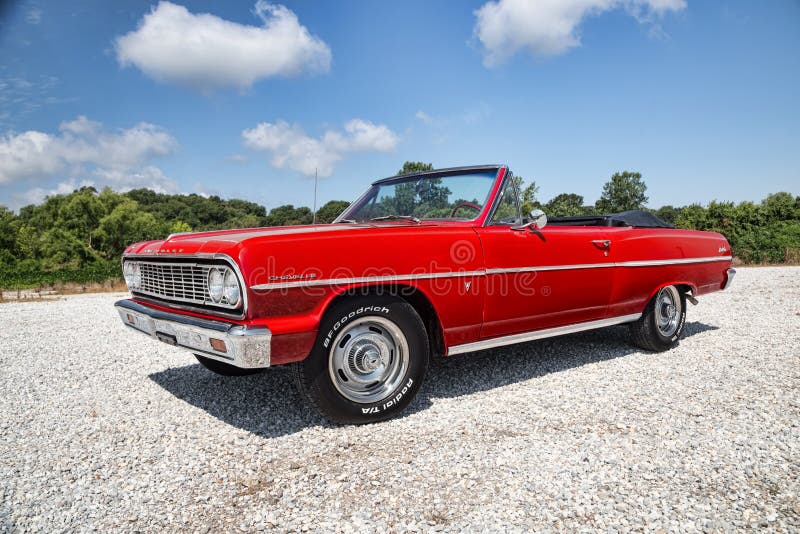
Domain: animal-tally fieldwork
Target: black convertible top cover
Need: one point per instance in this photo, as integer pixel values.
(635, 218)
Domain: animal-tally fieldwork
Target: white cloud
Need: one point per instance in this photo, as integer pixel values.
(423, 117)
(33, 16)
(80, 142)
(149, 177)
(550, 27)
(124, 180)
(38, 194)
(206, 52)
(20, 96)
(291, 147)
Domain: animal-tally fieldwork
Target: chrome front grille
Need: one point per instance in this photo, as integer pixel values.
(182, 282)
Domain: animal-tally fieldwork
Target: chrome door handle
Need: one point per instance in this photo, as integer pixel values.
(603, 244)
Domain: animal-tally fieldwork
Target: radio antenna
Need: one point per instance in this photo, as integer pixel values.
(315, 197)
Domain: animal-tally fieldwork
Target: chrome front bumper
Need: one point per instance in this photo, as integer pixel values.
(730, 274)
(247, 347)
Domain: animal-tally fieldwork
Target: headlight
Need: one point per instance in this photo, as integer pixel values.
(231, 288)
(133, 278)
(216, 280)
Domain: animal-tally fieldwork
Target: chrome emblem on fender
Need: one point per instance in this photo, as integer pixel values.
(290, 277)
(466, 285)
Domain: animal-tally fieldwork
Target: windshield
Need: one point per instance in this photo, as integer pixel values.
(454, 197)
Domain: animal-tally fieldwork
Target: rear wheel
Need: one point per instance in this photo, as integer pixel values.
(225, 369)
(661, 325)
(368, 362)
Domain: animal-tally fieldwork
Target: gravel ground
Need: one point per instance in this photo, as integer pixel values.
(104, 429)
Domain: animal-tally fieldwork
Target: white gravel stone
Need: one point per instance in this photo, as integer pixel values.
(103, 429)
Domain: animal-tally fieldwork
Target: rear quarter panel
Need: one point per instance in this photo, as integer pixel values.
(634, 285)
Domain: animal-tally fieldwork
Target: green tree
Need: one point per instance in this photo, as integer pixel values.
(331, 210)
(779, 207)
(179, 227)
(27, 242)
(668, 213)
(410, 167)
(528, 199)
(288, 215)
(81, 213)
(125, 225)
(565, 205)
(9, 226)
(625, 191)
(61, 249)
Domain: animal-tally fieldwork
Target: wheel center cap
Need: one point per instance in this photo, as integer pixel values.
(368, 354)
(372, 360)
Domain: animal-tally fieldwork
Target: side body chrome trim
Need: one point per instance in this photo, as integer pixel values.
(365, 279)
(650, 263)
(482, 272)
(540, 334)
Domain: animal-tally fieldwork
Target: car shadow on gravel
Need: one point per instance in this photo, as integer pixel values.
(489, 369)
(268, 405)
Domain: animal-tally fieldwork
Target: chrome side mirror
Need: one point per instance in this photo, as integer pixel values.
(539, 218)
(537, 221)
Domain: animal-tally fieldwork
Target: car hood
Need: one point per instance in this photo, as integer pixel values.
(230, 241)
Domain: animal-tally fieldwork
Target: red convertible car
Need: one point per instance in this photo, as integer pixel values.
(426, 264)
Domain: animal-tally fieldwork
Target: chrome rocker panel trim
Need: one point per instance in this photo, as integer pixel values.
(247, 347)
(541, 334)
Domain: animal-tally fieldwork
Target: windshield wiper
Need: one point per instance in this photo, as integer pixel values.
(400, 217)
(348, 221)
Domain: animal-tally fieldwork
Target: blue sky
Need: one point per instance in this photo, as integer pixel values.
(244, 99)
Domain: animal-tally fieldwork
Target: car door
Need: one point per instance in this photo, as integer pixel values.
(544, 278)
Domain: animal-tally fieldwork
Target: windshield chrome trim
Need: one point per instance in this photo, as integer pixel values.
(472, 169)
(496, 201)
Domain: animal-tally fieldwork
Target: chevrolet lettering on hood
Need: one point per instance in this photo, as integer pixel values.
(422, 265)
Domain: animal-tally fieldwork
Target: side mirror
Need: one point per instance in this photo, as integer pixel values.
(537, 221)
(538, 218)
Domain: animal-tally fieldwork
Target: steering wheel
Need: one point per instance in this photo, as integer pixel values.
(470, 205)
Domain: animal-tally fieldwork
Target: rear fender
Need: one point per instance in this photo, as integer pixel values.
(685, 286)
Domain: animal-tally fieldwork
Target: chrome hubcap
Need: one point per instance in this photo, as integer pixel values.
(668, 311)
(368, 359)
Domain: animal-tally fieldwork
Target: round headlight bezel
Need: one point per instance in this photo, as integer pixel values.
(216, 284)
(231, 292)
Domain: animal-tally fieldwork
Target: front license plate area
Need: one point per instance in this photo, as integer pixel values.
(167, 338)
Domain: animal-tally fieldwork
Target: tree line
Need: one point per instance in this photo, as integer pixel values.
(80, 236)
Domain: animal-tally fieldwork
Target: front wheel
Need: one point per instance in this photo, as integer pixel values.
(368, 362)
(661, 325)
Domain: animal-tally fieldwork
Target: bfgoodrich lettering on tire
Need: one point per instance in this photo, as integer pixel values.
(368, 362)
(661, 325)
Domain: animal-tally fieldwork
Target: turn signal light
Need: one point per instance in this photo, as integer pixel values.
(218, 345)
(131, 319)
